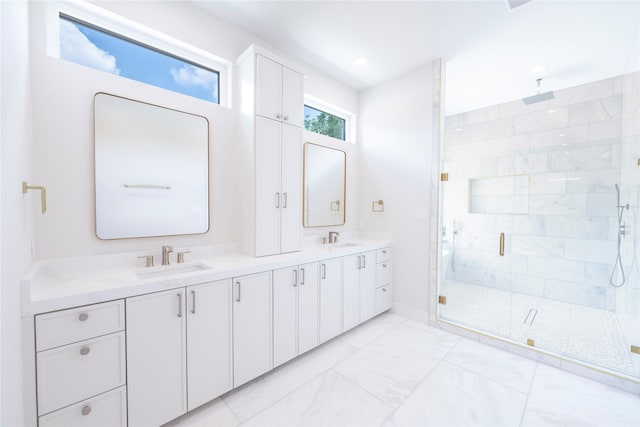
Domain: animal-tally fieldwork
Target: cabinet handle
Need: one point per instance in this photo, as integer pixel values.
(86, 410)
(179, 304)
(278, 116)
(384, 251)
(384, 289)
(359, 263)
(286, 118)
(284, 203)
(501, 253)
(295, 277)
(384, 265)
(364, 261)
(239, 288)
(302, 276)
(193, 302)
(84, 351)
(83, 317)
(324, 271)
(277, 200)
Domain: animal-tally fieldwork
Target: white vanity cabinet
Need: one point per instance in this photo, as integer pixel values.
(359, 289)
(270, 144)
(178, 346)
(295, 311)
(279, 93)
(384, 283)
(156, 357)
(252, 327)
(330, 298)
(80, 358)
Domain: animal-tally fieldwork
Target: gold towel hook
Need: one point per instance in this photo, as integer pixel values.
(43, 193)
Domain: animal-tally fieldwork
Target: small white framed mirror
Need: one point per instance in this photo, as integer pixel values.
(324, 186)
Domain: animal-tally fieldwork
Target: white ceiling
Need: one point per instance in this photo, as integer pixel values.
(488, 48)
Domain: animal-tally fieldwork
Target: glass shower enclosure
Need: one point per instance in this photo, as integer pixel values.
(539, 223)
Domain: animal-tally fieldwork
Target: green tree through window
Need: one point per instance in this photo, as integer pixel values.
(324, 123)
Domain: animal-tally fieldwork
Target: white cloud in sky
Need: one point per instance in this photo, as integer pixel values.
(76, 47)
(188, 75)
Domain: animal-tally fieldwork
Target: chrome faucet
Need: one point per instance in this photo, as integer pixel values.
(166, 250)
(333, 236)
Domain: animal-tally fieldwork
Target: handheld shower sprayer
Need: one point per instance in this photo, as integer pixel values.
(622, 231)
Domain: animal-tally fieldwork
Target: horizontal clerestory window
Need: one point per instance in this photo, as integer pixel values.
(87, 35)
(318, 121)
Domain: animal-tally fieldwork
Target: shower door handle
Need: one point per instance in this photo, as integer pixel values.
(501, 244)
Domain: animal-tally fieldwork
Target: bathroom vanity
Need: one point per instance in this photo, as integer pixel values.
(115, 343)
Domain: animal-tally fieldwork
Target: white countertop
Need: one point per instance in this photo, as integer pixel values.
(69, 282)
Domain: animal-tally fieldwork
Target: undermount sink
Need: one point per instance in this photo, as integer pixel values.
(344, 245)
(170, 270)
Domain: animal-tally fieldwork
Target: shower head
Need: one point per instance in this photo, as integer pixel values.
(539, 97)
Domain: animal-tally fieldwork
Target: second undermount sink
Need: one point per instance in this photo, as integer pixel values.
(343, 244)
(170, 270)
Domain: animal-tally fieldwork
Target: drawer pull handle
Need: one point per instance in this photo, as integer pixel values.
(86, 410)
(384, 251)
(83, 317)
(384, 289)
(84, 351)
(384, 265)
(364, 261)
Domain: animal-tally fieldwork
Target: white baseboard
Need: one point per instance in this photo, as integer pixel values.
(412, 313)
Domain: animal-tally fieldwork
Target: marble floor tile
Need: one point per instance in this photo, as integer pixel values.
(392, 366)
(251, 398)
(213, 414)
(328, 400)
(558, 398)
(508, 369)
(372, 329)
(452, 396)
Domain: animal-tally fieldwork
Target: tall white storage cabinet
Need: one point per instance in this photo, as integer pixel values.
(270, 154)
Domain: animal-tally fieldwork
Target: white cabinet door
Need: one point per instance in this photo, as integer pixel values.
(367, 286)
(209, 341)
(268, 181)
(291, 220)
(292, 97)
(308, 305)
(251, 327)
(285, 315)
(351, 291)
(156, 363)
(268, 88)
(330, 298)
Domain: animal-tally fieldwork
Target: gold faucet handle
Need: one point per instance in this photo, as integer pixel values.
(149, 259)
(181, 256)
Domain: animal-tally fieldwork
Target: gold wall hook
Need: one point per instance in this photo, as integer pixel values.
(43, 193)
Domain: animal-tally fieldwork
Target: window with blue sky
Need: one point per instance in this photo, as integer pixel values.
(99, 49)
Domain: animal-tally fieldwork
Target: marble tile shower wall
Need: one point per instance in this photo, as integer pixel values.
(574, 149)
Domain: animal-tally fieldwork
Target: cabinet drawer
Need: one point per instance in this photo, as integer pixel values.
(383, 273)
(384, 298)
(77, 371)
(383, 254)
(77, 324)
(105, 410)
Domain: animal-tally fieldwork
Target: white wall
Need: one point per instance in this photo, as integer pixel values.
(63, 128)
(16, 217)
(395, 164)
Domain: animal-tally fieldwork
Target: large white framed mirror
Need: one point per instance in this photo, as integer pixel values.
(324, 186)
(151, 170)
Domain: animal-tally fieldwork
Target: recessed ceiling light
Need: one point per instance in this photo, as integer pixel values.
(458, 129)
(561, 134)
(361, 60)
(538, 68)
(551, 111)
